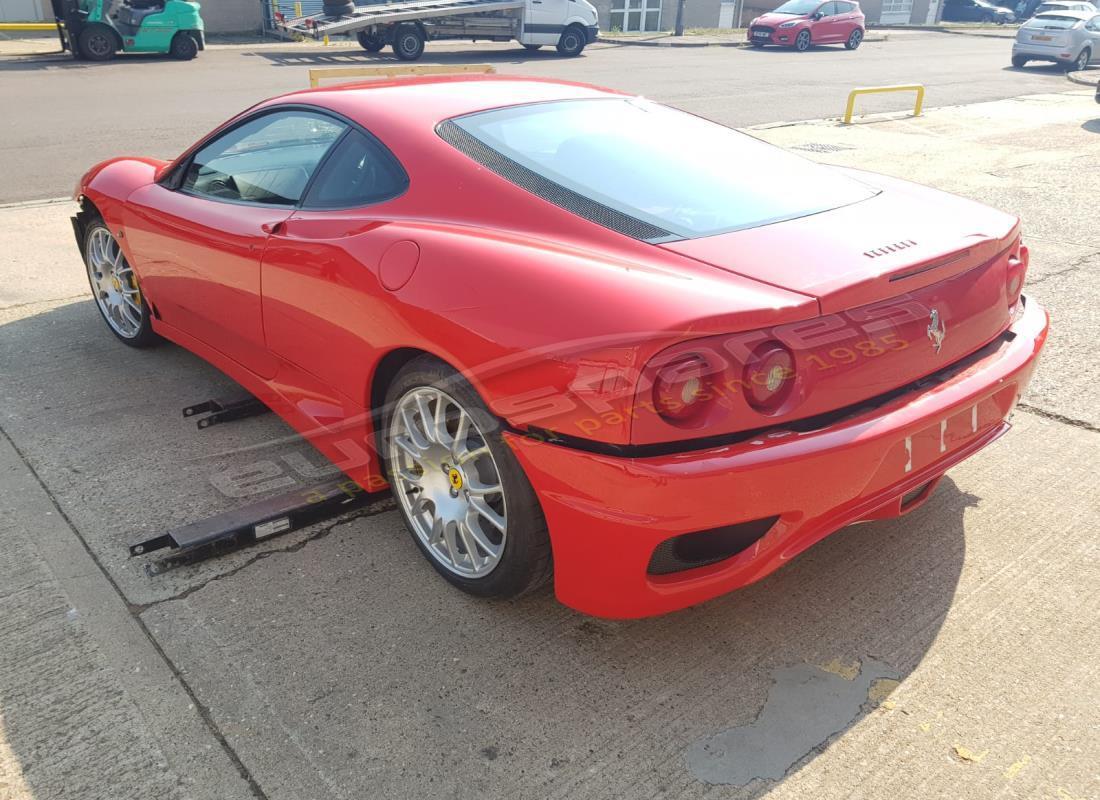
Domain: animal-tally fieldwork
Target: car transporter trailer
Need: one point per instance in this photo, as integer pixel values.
(406, 26)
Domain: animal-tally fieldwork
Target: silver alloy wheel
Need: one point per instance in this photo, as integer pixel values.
(447, 482)
(802, 41)
(854, 39)
(114, 284)
(1082, 62)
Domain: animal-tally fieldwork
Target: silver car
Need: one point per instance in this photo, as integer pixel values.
(1065, 37)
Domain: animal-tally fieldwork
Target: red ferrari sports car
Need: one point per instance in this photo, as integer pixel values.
(578, 333)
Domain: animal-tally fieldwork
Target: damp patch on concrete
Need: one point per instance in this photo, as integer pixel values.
(806, 706)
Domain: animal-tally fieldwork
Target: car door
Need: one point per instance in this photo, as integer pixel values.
(202, 232)
(545, 20)
(823, 25)
(839, 20)
(325, 297)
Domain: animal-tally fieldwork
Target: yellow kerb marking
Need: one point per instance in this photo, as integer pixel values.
(323, 73)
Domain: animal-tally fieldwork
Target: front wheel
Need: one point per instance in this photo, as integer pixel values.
(408, 43)
(371, 42)
(115, 288)
(183, 47)
(572, 41)
(97, 43)
(855, 38)
(802, 41)
(462, 493)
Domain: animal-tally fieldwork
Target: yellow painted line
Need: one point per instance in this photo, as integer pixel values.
(323, 73)
(909, 87)
(28, 26)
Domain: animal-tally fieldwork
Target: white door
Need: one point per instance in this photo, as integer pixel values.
(635, 15)
(896, 12)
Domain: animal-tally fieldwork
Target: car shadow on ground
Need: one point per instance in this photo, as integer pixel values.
(1092, 126)
(355, 648)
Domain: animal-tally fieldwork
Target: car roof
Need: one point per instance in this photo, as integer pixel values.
(1067, 13)
(432, 99)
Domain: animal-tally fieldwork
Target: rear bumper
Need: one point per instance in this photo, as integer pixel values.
(606, 515)
(1042, 52)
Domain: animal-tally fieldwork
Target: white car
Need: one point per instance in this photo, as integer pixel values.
(1067, 5)
(1071, 38)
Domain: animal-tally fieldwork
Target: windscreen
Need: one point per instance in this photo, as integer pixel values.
(798, 7)
(1052, 22)
(671, 170)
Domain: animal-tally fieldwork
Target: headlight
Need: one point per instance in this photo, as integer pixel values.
(790, 24)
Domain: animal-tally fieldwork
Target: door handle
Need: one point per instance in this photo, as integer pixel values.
(272, 228)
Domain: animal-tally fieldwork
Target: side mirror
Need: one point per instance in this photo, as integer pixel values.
(817, 15)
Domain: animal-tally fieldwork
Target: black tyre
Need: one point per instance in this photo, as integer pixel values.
(572, 41)
(183, 47)
(532, 47)
(408, 42)
(371, 42)
(802, 41)
(1019, 61)
(338, 8)
(459, 487)
(97, 43)
(855, 39)
(1081, 62)
(115, 289)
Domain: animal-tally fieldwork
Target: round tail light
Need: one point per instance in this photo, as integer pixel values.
(769, 377)
(679, 388)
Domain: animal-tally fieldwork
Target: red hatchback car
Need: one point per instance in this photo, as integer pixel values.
(576, 332)
(801, 23)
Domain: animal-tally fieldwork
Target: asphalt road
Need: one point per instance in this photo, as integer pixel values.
(73, 114)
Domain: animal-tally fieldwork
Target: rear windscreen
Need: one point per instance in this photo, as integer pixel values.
(676, 174)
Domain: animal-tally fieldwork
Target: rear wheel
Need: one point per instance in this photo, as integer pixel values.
(572, 41)
(115, 287)
(371, 42)
(183, 47)
(461, 490)
(1081, 62)
(1019, 61)
(855, 38)
(532, 47)
(408, 43)
(97, 43)
(802, 41)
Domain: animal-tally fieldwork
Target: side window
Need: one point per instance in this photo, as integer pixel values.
(1094, 24)
(359, 172)
(827, 10)
(266, 160)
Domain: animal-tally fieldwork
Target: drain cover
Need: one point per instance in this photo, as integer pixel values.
(818, 147)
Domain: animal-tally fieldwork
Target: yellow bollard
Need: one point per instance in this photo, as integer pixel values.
(909, 87)
(326, 40)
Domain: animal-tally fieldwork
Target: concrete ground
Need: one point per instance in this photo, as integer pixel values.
(951, 653)
(68, 115)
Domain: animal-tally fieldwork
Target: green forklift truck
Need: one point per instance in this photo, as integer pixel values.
(97, 29)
